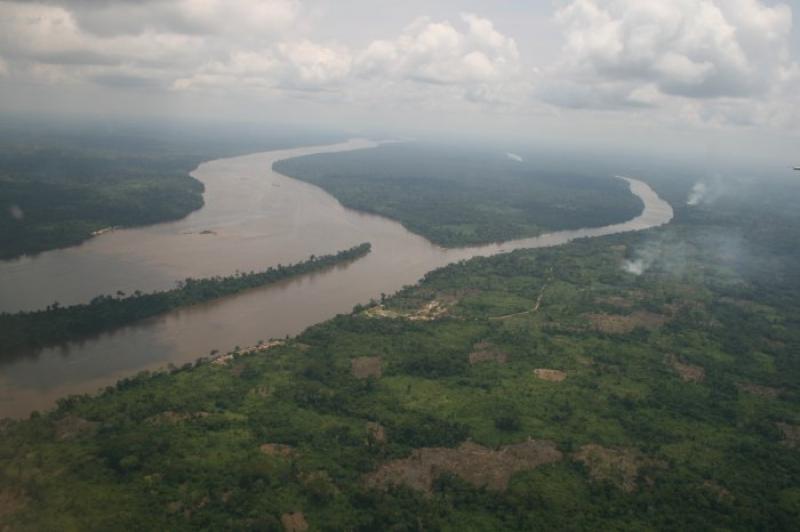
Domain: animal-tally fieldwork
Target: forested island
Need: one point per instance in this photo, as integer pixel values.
(60, 183)
(460, 197)
(25, 331)
(633, 382)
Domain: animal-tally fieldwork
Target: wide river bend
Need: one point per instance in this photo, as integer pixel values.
(253, 218)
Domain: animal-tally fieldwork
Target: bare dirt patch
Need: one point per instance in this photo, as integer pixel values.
(365, 367)
(11, 502)
(721, 493)
(478, 465)
(277, 449)
(430, 311)
(791, 435)
(487, 352)
(261, 391)
(376, 432)
(262, 346)
(619, 466)
(221, 360)
(71, 426)
(759, 390)
(625, 323)
(552, 375)
(687, 372)
(615, 301)
(294, 522)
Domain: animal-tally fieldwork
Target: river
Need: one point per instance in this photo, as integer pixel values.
(253, 218)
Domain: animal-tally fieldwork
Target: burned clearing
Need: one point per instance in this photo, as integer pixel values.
(478, 465)
(277, 449)
(552, 375)
(366, 367)
(294, 522)
(620, 466)
(625, 323)
(487, 352)
(687, 372)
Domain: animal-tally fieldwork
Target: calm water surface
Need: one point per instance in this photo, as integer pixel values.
(253, 218)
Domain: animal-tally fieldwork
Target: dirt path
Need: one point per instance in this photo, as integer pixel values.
(534, 310)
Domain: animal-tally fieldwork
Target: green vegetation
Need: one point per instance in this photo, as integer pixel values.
(59, 183)
(666, 400)
(458, 198)
(25, 331)
(541, 389)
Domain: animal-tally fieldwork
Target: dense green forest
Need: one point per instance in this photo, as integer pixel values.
(535, 390)
(22, 332)
(61, 182)
(457, 197)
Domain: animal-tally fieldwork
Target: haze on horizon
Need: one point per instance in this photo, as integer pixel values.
(710, 75)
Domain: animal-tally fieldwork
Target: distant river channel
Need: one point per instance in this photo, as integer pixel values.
(253, 218)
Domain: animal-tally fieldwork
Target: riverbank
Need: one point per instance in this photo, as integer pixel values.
(581, 407)
(256, 223)
(25, 331)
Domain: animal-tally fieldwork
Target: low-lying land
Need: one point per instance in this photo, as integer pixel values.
(667, 399)
(459, 197)
(61, 184)
(544, 420)
(25, 331)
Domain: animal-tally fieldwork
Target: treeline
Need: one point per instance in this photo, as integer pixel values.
(24, 331)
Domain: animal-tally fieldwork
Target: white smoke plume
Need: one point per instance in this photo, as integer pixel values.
(707, 191)
(646, 258)
(664, 254)
(515, 157)
(698, 193)
(16, 213)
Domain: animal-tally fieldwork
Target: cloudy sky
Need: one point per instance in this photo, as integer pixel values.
(592, 69)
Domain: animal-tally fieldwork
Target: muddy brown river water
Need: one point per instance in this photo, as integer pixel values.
(253, 218)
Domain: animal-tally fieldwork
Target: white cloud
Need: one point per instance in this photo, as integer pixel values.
(622, 53)
(438, 53)
(47, 43)
(310, 65)
(696, 62)
(301, 65)
(251, 18)
(430, 63)
(252, 45)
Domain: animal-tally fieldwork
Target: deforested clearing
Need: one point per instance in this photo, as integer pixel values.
(553, 375)
(365, 367)
(687, 372)
(620, 466)
(476, 464)
(625, 323)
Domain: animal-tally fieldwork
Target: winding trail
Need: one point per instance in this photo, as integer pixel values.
(253, 218)
(534, 310)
